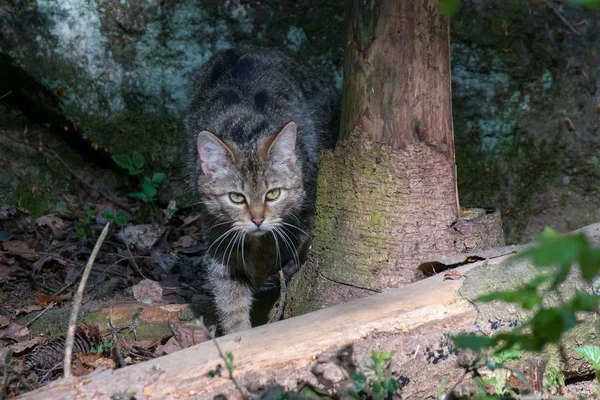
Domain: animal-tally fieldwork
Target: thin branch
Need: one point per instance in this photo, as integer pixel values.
(77, 303)
(6, 94)
(563, 19)
(212, 336)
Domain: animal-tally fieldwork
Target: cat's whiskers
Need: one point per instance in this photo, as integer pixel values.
(215, 225)
(242, 246)
(277, 252)
(295, 227)
(220, 239)
(235, 240)
(289, 244)
(232, 244)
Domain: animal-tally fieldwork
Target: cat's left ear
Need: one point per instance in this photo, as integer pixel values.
(281, 150)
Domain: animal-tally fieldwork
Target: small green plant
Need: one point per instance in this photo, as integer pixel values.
(149, 185)
(102, 347)
(133, 163)
(87, 221)
(554, 255)
(496, 364)
(120, 218)
(376, 378)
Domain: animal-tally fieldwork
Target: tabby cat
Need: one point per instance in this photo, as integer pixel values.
(254, 128)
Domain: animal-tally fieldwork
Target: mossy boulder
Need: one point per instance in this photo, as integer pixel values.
(525, 86)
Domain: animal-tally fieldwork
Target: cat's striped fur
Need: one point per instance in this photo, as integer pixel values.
(254, 127)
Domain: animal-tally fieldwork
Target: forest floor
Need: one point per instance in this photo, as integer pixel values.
(145, 289)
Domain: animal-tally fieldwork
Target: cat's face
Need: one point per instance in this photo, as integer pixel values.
(254, 192)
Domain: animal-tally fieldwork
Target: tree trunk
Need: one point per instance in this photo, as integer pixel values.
(387, 194)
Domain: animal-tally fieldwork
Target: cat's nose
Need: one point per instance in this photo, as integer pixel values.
(257, 220)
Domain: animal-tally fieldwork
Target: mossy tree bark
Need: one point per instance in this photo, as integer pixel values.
(387, 195)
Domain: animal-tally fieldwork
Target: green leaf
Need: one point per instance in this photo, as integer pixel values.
(80, 231)
(121, 218)
(583, 301)
(553, 249)
(140, 196)
(549, 324)
(391, 385)
(377, 390)
(360, 381)
(158, 177)
(137, 160)
(149, 190)
(589, 263)
(171, 210)
(88, 211)
(449, 7)
(527, 298)
(123, 161)
(147, 180)
(108, 215)
(473, 342)
(591, 354)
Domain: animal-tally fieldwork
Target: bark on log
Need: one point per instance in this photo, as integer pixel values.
(387, 195)
(415, 320)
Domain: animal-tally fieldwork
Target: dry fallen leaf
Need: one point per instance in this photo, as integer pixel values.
(51, 221)
(188, 334)
(44, 299)
(20, 248)
(452, 275)
(185, 241)
(141, 236)
(14, 330)
(147, 291)
(4, 321)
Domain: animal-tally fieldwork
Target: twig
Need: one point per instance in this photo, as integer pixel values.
(49, 306)
(563, 19)
(175, 333)
(77, 303)
(282, 296)
(132, 259)
(125, 207)
(120, 360)
(229, 370)
(6, 94)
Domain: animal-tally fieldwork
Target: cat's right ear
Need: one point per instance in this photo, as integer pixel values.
(215, 156)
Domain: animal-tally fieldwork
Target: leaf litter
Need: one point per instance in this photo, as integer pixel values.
(41, 262)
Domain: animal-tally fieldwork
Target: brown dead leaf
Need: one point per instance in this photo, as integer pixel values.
(14, 330)
(452, 275)
(4, 321)
(570, 124)
(27, 310)
(11, 270)
(147, 291)
(170, 347)
(190, 335)
(44, 299)
(51, 221)
(21, 248)
(142, 237)
(21, 347)
(89, 359)
(185, 241)
(78, 369)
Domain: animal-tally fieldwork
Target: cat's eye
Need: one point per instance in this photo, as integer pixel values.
(273, 194)
(237, 198)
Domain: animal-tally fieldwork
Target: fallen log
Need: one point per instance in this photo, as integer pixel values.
(415, 320)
